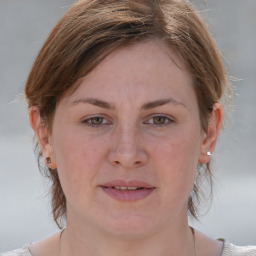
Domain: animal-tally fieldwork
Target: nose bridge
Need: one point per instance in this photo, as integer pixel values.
(126, 143)
(127, 149)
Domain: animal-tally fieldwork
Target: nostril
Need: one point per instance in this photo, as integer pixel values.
(127, 159)
(135, 163)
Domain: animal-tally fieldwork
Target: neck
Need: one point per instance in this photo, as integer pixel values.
(173, 239)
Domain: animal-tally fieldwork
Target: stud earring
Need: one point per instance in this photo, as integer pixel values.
(208, 153)
(48, 160)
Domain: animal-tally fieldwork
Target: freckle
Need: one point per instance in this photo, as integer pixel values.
(75, 181)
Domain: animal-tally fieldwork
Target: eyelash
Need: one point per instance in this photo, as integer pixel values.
(167, 121)
(88, 121)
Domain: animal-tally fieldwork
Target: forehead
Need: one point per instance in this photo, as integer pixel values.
(136, 67)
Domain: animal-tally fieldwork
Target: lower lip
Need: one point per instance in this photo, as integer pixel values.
(128, 195)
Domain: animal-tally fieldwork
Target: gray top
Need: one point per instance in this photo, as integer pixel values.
(233, 250)
(19, 252)
(228, 250)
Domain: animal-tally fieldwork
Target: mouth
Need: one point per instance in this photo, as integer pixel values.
(126, 188)
(127, 191)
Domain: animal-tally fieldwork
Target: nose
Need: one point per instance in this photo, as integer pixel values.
(127, 149)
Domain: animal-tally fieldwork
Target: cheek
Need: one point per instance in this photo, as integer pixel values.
(175, 158)
(178, 153)
(77, 159)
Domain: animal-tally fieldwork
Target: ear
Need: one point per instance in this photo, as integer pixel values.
(210, 137)
(43, 137)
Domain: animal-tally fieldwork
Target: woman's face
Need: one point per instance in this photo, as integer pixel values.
(127, 142)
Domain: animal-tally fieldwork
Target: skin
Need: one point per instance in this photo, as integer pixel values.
(141, 122)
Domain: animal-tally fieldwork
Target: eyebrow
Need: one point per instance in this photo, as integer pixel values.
(146, 106)
(95, 102)
(161, 102)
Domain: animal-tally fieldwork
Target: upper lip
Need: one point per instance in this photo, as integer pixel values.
(131, 183)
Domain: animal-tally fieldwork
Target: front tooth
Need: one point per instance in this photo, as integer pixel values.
(125, 188)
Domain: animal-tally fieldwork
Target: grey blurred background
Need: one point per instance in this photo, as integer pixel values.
(24, 206)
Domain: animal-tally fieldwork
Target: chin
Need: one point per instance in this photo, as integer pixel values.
(130, 226)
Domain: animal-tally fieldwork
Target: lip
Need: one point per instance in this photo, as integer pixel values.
(131, 183)
(127, 195)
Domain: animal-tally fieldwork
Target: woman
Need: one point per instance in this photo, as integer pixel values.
(124, 101)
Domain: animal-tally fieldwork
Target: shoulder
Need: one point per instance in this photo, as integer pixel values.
(18, 252)
(48, 246)
(231, 249)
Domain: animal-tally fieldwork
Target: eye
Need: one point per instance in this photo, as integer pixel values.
(159, 120)
(96, 121)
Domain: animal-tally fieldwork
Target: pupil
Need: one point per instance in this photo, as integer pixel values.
(159, 120)
(97, 120)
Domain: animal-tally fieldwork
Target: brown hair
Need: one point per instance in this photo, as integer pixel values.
(92, 29)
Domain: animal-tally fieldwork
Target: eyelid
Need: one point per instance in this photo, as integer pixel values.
(170, 119)
(86, 120)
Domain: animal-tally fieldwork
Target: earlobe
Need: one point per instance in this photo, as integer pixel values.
(43, 136)
(210, 137)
